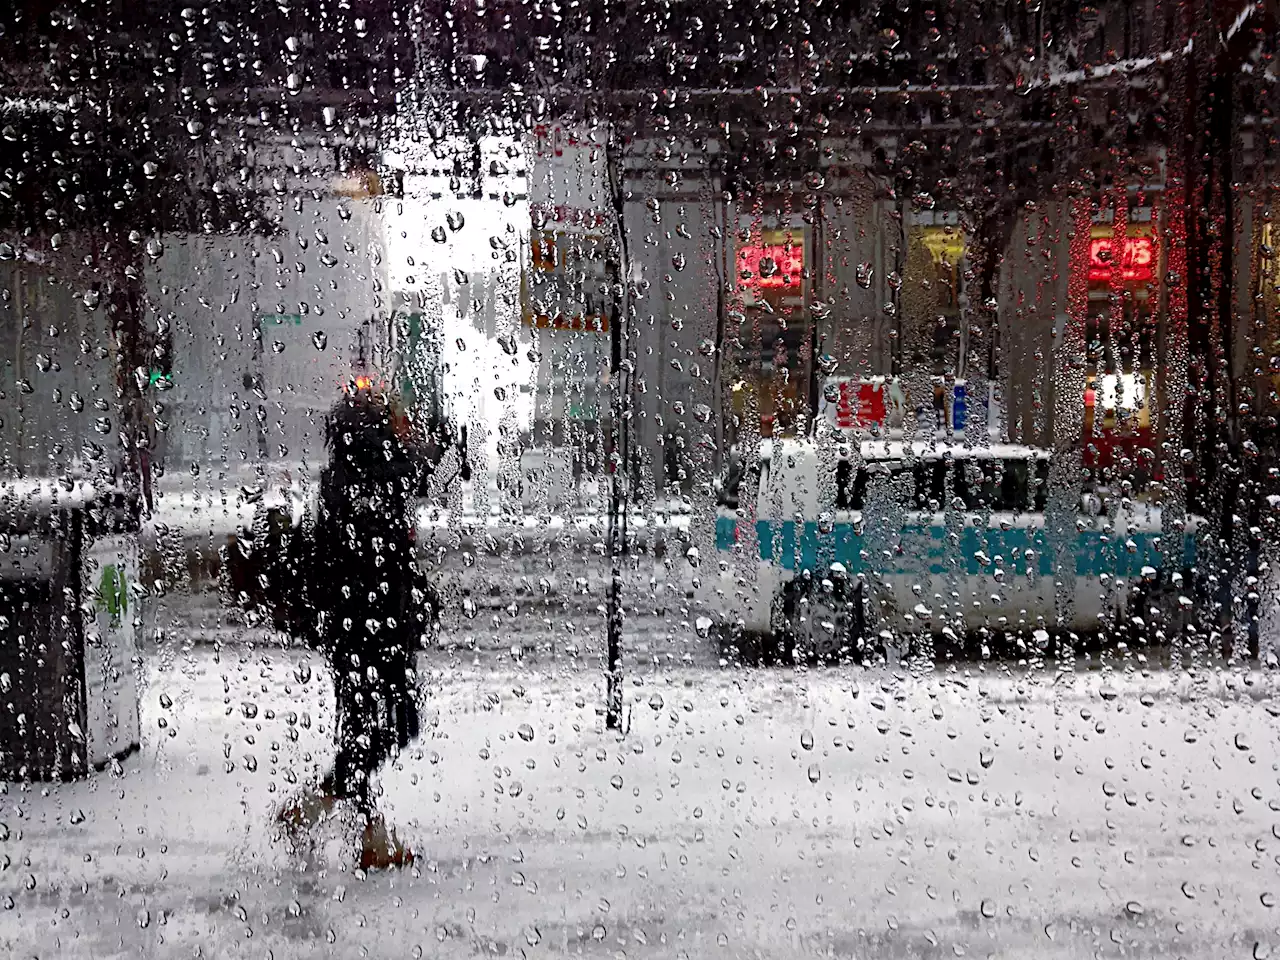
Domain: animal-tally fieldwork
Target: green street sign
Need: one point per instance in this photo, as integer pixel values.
(113, 594)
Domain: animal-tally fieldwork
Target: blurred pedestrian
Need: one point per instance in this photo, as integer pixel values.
(371, 610)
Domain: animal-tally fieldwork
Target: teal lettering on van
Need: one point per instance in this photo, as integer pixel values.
(933, 549)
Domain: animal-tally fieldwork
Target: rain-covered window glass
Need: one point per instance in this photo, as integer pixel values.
(639, 478)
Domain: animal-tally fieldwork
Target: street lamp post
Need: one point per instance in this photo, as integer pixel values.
(619, 461)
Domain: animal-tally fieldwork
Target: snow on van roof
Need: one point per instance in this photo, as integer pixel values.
(901, 450)
(930, 450)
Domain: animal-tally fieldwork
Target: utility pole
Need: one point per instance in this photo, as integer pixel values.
(1225, 36)
(618, 466)
(619, 459)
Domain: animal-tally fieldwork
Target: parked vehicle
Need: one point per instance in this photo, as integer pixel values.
(839, 551)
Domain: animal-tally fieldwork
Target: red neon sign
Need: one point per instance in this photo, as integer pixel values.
(782, 264)
(1137, 259)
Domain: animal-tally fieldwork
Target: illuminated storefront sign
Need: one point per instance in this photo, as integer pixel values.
(1118, 391)
(944, 243)
(543, 248)
(1137, 260)
(771, 265)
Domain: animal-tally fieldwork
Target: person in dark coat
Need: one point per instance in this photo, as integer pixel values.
(371, 609)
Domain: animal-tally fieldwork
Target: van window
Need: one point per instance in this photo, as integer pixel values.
(729, 490)
(1003, 486)
(1012, 485)
(851, 486)
(1040, 486)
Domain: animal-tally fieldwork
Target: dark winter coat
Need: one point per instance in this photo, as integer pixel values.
(346, 581)
(364, 582)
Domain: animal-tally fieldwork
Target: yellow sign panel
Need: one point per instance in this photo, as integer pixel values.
(944, 243)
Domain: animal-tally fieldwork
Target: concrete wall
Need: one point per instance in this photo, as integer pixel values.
(263, 332)
(1033, 293)
(680, 264)
(857, 235)
(57, 374)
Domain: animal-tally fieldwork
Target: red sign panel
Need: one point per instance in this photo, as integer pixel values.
(1137, 260)
(772, 264)
(860, 405)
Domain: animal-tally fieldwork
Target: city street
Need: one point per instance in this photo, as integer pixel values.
(976, 812)
(780, 480)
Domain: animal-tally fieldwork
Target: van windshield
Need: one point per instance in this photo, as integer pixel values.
(1011, 485)
(1001, 485)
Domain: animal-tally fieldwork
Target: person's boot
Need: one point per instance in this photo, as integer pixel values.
(306, 810)
(380, 848)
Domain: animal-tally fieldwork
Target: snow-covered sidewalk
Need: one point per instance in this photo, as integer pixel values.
(744, 813)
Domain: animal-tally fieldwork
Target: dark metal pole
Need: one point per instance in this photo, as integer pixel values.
(617, 532)
(619, 461)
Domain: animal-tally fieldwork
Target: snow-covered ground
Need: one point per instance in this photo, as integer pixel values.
(743, 814)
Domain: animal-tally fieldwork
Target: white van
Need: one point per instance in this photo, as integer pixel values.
(843, 547)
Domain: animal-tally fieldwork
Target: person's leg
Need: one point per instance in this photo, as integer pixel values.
(402, 699)
(340, 781)
(358, 753)
(391, 722)
(397, 726)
